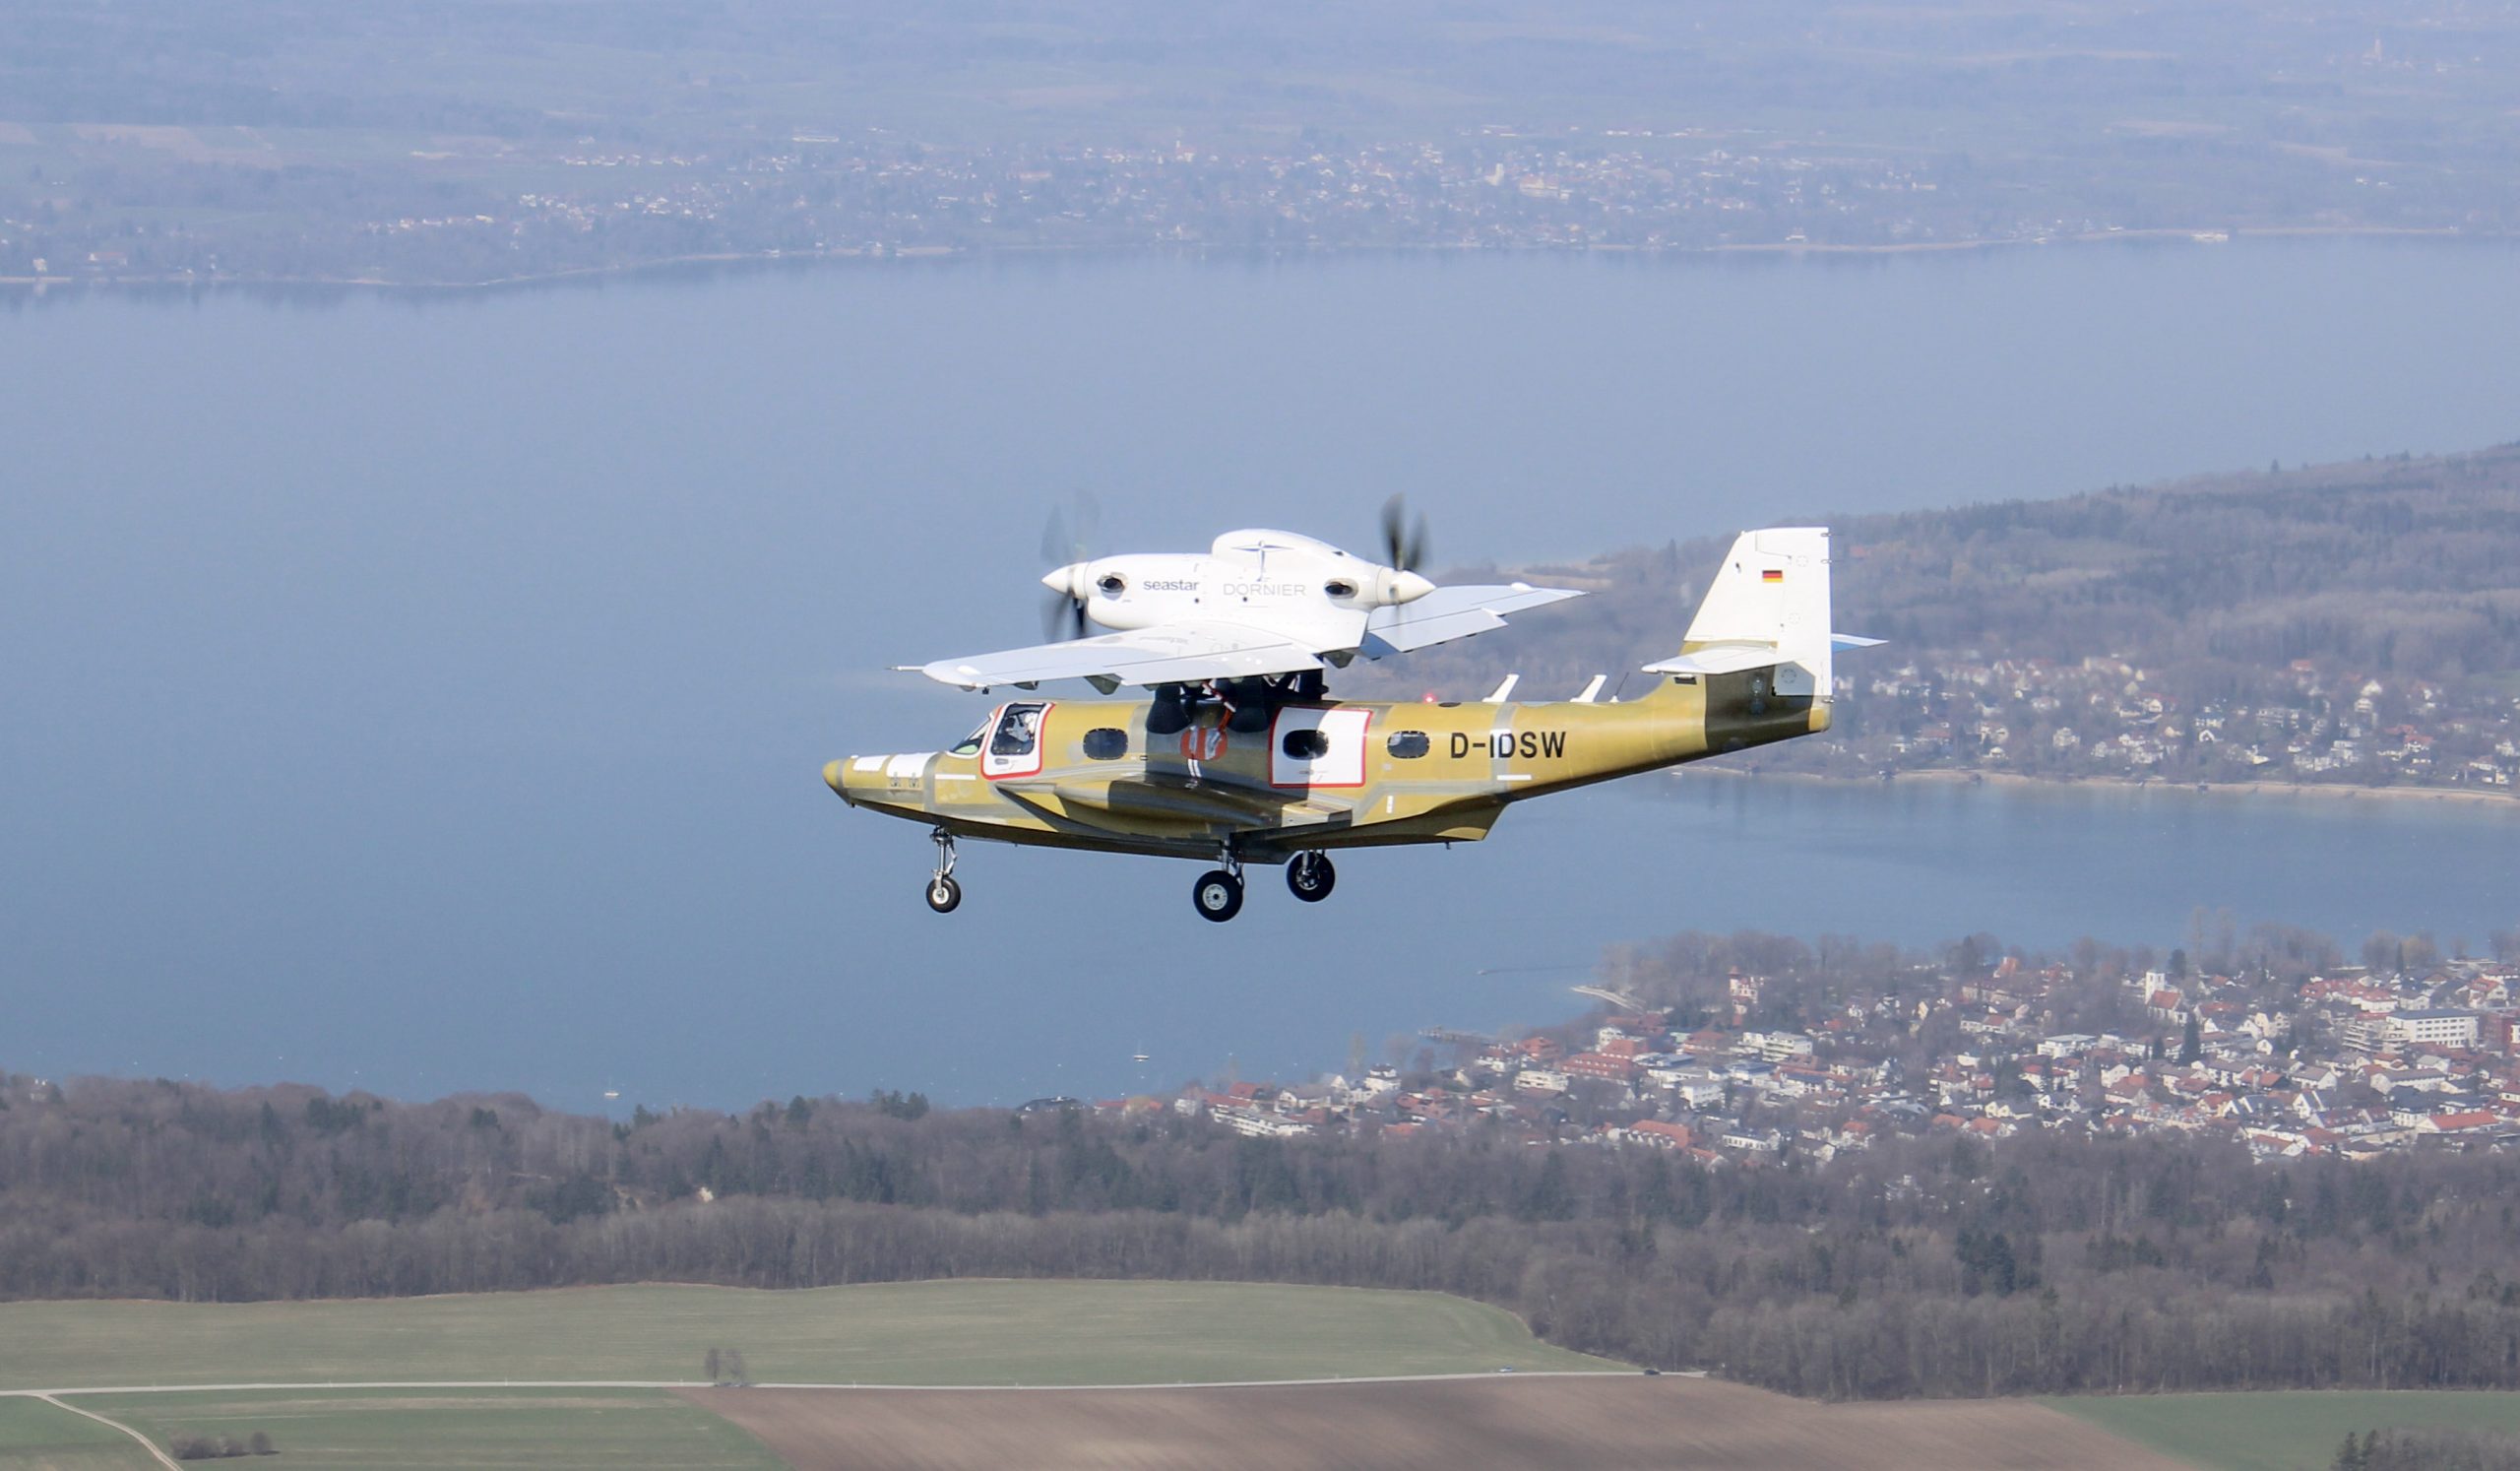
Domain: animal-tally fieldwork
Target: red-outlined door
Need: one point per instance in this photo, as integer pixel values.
(1318, 748)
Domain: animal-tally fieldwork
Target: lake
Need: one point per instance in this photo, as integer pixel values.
(426, 694)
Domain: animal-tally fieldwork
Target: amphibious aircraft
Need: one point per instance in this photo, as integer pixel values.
(1248, 769)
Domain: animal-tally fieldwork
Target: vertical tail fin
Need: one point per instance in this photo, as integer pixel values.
(1769, 605)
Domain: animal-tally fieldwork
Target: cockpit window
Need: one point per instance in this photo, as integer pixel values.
(968, 745)
(1019, 730)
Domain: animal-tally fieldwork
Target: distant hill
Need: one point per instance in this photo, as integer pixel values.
(2199, 619)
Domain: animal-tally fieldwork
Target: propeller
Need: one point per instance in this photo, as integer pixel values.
(1404, 542)
(1067, 538)
(1062, 617)
(1404, 551)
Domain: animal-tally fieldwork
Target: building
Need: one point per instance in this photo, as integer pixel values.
(2432, 1028)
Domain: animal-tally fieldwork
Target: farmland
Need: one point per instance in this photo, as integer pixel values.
(420, 1429)
(47, 1437)
(2284, 1431)
(1024, 1351)
(911, 1333)
(1616, 1421)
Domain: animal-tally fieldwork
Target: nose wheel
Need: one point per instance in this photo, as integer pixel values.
(943, 893)
(1310, 877)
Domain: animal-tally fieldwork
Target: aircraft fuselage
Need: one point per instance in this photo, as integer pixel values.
(1325, 775)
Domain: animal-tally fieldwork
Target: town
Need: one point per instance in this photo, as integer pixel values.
(877, 194)
(2411, 1052)
(2107, 716)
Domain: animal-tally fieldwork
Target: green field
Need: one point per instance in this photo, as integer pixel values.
(908, 1333)
(2284, 1431)
(416, 1430)
(34, 1435)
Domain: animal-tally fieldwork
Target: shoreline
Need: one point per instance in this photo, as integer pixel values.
(2202, 235)
(1948, 777)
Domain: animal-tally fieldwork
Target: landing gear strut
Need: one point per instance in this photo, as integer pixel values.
(1310, 875)
(1218, 894)
(943, 893)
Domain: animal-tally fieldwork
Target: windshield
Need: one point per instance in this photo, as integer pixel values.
(969, 746)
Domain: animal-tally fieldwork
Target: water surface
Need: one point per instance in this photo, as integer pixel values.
(429, 694)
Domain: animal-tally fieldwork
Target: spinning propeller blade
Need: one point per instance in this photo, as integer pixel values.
(1404, 542)
(1067, 538)
(1062, 617)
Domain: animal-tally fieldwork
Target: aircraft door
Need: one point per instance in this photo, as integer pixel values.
(1013, 745)
(1313, 747)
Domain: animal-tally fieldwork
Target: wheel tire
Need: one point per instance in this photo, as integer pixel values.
(1218, 896)
(1310, 877)
(943, 894)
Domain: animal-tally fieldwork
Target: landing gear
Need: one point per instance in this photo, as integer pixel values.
(943, 893)
(1218, 895)
(1218, 892)
(1312, 877)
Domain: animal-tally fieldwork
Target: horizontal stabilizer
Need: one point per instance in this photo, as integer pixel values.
(1854, 641)
(1717, 659)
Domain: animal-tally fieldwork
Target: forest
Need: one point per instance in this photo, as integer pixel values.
(2055, 1263)
(2427, 1450)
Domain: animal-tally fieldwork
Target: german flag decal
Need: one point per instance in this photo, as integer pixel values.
(1772, 574)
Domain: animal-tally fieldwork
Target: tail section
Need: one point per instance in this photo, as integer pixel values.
(1769, 605)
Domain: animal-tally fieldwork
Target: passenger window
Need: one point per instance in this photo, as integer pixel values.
(1018, 730)
(1407, 745)
(1305, 745)
(1102, 743)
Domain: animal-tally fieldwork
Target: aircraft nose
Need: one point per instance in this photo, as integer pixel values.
(1409, 587)
(836, 776)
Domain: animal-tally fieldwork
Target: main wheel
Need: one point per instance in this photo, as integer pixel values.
(1310, 877)
(943, 893)
(1218, 895)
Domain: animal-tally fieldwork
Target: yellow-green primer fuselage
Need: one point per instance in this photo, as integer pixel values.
(1325, 775)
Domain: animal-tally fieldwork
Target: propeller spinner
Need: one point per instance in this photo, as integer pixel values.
(1066, 541)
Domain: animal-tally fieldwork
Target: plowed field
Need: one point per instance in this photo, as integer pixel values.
(1565, 1424)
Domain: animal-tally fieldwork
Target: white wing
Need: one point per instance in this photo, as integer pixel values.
(1166, 654)
(1186, 653)
(1448, 613)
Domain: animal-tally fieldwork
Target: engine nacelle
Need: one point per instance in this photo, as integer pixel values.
(1312, 592)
